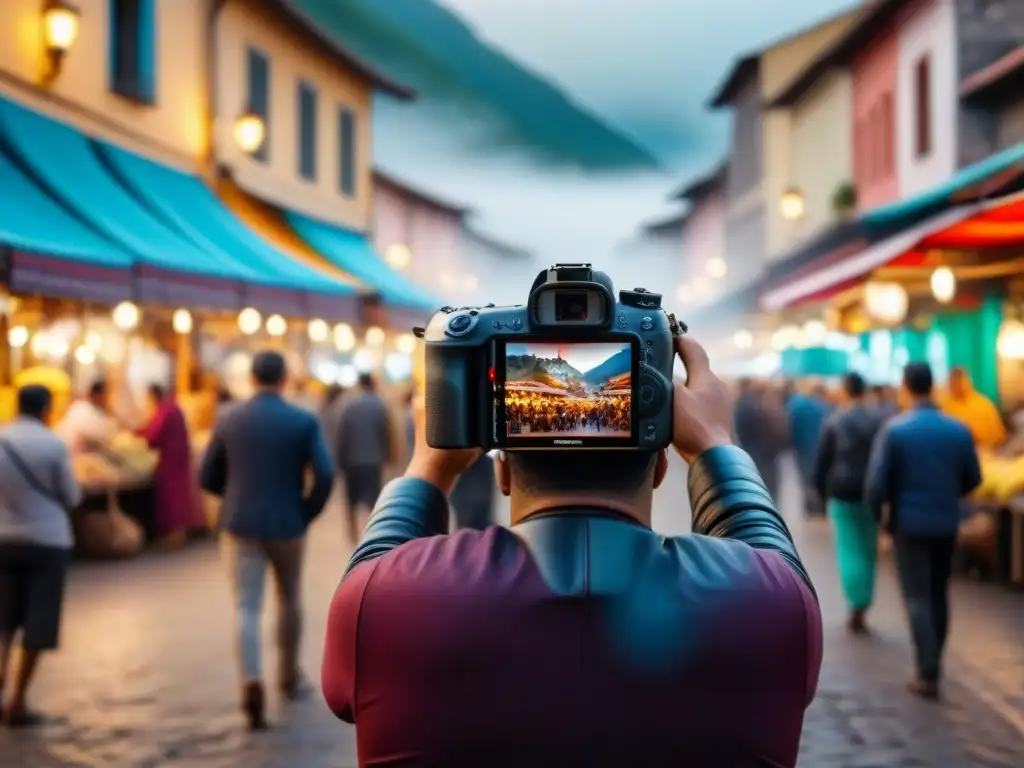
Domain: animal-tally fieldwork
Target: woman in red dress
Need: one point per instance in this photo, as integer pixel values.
(175, 491)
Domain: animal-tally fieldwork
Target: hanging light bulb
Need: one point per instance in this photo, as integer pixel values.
(126, 316)
(886, 302)
(249, 321)
(277, 326)
(318, 331)
(344, 337)
(181, 321)
(94, 341)
(815, 333)
(406, 344)
(85, 355)
(374, 336)
(943, 285)
(58, 348)
(398, 255)
(791, 205)
(17, 337)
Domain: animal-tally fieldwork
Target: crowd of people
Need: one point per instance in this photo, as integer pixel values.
(874, 459)
(538, 412)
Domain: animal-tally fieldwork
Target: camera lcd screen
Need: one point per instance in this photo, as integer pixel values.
(566, 394)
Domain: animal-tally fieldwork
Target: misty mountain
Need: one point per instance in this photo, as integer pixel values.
(533, 368)
(616, 365)
(427, 46)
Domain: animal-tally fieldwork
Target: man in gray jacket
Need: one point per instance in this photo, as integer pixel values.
(37, 488)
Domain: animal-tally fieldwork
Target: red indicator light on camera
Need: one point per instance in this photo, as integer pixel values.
(490, 374)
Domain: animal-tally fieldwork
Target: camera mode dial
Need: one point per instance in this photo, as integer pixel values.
(460, 324)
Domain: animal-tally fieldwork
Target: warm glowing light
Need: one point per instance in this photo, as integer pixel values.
(406, 343)
(277, 325)
(717, 268)
(250, 132)
(743, 339)
(318, 330)
(17, 337)
(1010, 344)
(347, 375)
(374, 336)
(58, 348)
(814, 332)
(398, 255)
(791, 205)
(344, 337)
(943, 285)
(886, 302)
(181, 321)
(60, 26)
(94, 341)
(126, 316)
(85, 355)
(249, 321)
(363, 361)
(787, 336)
(684, 294)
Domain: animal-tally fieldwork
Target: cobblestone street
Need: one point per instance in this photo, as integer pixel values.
(147, 679)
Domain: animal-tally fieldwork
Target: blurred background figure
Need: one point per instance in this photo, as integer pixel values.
(806, 414)
(178, 507)
(363, 447)
(839, 476)
(760, 430)
(37, 491)
(330, 415)
(88, 424)
(883, 398)
(975, 411)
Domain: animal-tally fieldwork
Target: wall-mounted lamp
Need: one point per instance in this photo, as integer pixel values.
(398, 255)
(60, 30)
(250, 131)
(791, 204)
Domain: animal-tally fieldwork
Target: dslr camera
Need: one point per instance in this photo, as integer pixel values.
(572, 369)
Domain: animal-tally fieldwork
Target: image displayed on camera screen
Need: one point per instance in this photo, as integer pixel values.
(581, 390)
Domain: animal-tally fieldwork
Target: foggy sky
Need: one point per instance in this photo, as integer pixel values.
(646, 65)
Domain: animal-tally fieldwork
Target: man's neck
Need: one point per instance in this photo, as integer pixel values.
(524, 506)
(273, 391)
(921, 402)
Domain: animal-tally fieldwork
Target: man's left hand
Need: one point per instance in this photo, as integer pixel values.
(436, 465)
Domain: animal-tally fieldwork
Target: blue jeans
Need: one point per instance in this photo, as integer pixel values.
(924, 564)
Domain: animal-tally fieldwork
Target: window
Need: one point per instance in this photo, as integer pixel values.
(307, 131)
(923, 107)
(347, 151)
(133, 49)
(888, 137)
(258, 98)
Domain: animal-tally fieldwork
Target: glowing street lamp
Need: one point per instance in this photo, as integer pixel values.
(60, 31)
(791, 205)
(250, 132)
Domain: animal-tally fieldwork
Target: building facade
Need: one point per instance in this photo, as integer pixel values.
(995, 94)
(873, 74)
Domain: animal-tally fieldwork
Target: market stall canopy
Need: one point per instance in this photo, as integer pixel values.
(861, 263)
(351, 252)
(168, 268)
(999, 224)
(50, 251)
(188, 206)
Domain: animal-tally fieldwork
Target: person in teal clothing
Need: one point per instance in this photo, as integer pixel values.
(839, 476)
(807, 415)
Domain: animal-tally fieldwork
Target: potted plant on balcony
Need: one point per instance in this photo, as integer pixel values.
(844, 200)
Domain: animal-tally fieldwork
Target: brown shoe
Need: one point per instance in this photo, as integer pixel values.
(856, 623)
(253, 705)
(924, 689)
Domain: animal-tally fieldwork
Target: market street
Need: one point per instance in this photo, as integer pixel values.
(147, 675)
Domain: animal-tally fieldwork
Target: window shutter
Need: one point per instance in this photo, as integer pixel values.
(307, 131)
(347, 151)
(259, 96)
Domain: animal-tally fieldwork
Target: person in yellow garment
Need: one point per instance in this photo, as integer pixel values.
(975, 411)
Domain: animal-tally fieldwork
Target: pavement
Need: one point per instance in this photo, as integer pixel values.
(146, 676)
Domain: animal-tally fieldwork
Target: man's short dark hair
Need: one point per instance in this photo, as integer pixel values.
(854, 385)
(269, 369)
(918, 379)
(98, 388)
(618, 472)
(34, 401)
(366, 381)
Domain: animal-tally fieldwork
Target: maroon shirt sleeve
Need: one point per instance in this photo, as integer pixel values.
(338, 675)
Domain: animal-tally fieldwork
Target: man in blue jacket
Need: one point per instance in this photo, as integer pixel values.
(922, 465)
(258, 461)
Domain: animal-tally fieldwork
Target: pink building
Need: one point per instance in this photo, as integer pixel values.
(874, 68)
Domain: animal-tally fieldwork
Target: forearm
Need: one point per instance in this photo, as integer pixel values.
(729, 500)
(408, 508)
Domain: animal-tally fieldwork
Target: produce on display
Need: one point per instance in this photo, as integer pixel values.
(1002, 478)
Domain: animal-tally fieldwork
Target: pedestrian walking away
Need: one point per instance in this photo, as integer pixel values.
(923, 463)
(258, 460)
(839, 475)
(37, 491)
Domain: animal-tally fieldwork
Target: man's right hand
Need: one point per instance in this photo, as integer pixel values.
(702, 407)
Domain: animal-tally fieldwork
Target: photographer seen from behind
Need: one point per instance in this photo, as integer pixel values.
(579, 636)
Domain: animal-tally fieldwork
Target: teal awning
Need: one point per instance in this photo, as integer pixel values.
(32, 221)
(350, 252)
(191, 208)
(959, 185)
(65, 163)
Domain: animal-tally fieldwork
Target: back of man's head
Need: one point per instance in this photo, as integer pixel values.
(34, 402)
(917, 378)
(619, 473)
(98, 389)
(269, 370)
(366, 382)
(854, 386)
